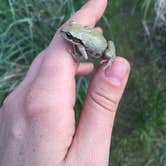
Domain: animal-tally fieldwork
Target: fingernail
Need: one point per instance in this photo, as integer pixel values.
(116, 72)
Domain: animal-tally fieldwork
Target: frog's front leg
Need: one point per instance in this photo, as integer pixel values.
(82, 50)
(79, 53)
(75, 54)
(110, 53)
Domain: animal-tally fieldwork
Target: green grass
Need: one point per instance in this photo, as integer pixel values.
(27, 26)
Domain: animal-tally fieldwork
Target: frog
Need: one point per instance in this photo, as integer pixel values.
(88, 41)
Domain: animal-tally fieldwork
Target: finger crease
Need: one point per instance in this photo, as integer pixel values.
(106, 98)
(99, 104)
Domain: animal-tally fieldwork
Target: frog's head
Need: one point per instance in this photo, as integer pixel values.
(69, 32)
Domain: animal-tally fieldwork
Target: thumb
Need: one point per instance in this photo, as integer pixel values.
(93, 134)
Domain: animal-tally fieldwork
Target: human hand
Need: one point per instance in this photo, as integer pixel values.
(37, 124)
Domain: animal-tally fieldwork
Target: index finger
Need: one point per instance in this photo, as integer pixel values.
(57, 57)
(90, 13)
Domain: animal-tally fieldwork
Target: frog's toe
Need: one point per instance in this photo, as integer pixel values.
(109, 63)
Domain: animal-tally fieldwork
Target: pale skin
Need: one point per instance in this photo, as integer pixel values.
(37, 124)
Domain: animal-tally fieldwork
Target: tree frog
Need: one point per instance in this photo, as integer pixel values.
(88, 41)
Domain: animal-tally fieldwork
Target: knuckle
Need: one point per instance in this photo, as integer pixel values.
(103, 101)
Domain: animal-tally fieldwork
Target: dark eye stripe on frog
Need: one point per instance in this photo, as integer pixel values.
(69, 36)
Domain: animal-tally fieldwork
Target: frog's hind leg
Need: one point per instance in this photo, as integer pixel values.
(110, 53)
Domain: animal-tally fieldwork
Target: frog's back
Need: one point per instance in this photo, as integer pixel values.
(92, 39)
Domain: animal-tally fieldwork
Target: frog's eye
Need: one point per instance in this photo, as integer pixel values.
(69, 35)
